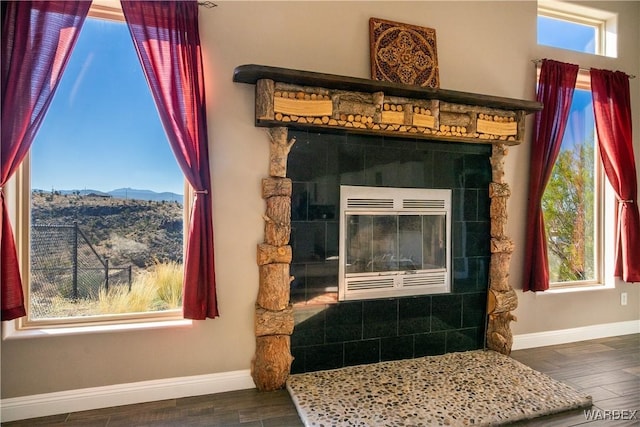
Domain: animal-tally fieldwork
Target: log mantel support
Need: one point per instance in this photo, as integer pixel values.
(501, 298)
(271, 363)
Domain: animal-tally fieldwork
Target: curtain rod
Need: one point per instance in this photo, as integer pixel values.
(539, 61)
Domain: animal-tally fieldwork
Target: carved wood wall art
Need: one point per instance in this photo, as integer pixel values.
(403, 53)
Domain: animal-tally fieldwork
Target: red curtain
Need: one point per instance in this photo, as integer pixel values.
(555, 91)
(166, 37)
(37, 39)
(612, 110)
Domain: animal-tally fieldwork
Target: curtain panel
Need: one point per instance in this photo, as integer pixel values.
(167, 40)
(612, 110)
(37, 40)
(555, 91)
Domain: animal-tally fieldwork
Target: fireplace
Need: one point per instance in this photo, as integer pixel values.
(425, 176)
(303, 101)
(394, 242)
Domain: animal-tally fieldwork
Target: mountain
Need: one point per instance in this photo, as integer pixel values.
(132, 193)
(126, 193)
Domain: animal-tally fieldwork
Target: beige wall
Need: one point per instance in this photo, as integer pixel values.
(543, 312)
(483, 47)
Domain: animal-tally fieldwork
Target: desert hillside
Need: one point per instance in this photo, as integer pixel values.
(127, 231)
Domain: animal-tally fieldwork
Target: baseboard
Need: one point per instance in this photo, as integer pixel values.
(42, 405)
(563, 336)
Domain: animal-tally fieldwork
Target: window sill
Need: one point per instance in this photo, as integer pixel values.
(10, 331)
(571, 289)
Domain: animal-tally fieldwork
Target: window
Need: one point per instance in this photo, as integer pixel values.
(580, 36)
(578, 28)
(577, 197)
(103, 191)
(573, 200)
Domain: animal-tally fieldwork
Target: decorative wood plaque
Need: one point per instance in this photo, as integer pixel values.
(497, 128)
(403, 53)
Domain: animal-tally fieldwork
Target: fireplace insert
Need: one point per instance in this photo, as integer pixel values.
(394, 242)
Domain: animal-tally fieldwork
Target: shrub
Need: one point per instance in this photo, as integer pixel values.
(158, 288)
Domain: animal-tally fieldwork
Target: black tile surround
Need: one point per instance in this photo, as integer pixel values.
(356, 332)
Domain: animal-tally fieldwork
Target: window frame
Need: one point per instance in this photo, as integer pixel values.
(20, 193)
(603, 211)
(605, 23)
(597, 24)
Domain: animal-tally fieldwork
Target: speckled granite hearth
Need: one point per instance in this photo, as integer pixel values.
(479, 388)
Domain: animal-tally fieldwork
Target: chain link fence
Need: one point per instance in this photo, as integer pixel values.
(64, 265)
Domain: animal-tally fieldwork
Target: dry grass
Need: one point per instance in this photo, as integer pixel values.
(155, 289)
(168, 280)
(58, 306)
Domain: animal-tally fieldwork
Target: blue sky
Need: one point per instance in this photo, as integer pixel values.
(567, 35)
(102, 130)
(581, 123)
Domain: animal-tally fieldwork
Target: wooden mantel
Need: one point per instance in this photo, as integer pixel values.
(329, 103)
(308, 100)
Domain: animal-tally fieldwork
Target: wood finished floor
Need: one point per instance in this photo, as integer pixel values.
(608, 369)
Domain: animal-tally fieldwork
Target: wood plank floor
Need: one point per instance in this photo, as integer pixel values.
(607, 368)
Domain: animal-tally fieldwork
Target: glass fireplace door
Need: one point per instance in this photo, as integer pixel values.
(395, 245)
(392, 243)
